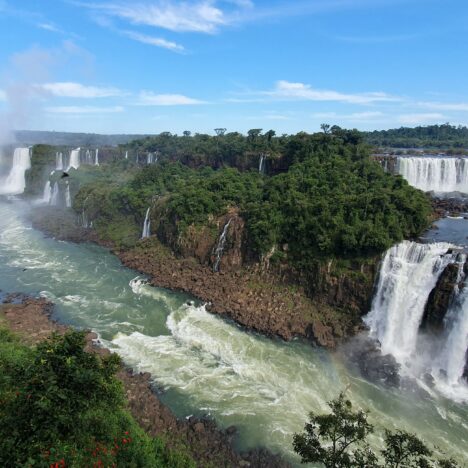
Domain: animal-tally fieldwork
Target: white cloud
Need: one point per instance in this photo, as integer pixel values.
(154, 41)
(445, 106)
(83, 109)
(2, 95)
(49, 27)
(300, 91)
(78, 90)
(421, 119)
(147, 98)
(201, 16)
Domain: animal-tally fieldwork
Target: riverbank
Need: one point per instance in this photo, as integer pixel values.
(324, 307)
(32, 320)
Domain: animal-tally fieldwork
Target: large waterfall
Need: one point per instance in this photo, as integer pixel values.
(408, 274)
(438, 174)
(15, 182)
(74, 159)
(146, 225)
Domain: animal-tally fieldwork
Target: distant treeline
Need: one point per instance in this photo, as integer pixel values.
(31, 137)
(444, 136)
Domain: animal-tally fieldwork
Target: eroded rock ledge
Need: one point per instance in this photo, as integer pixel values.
(324, 306)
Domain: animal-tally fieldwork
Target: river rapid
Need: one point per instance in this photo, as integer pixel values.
(202, 364)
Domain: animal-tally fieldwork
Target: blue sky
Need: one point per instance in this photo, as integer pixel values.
(146, 66)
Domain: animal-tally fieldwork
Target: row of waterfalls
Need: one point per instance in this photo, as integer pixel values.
(439, 174)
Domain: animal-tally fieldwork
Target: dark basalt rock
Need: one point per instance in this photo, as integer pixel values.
(364, 353)
(439, 300)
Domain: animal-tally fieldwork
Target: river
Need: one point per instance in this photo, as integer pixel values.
(202, 363)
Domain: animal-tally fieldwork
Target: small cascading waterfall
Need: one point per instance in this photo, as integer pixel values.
(126, 154)
(74, 159)
(96, 157)
(150, 158)
(58, 161)
(55, 196)
(88, 157)
(261, 164)
(438, 174)
(15, 182)
(47, 193)
(146, 225)
(68, 203)
(220, 247)
(408, 274)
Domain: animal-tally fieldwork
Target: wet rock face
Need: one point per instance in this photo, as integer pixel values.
(232, 257)
(444, 206)
(364, 353)
(439, 300)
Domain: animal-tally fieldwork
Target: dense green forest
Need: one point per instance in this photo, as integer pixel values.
(444, 136)
(324, 197)
(62, 406)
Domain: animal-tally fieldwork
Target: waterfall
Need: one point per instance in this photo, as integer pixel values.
(96, 157)
(74, 159)
(408, 274)
(58, 161)
(126, 154)
(146, 225)
(68, 202)
(149, 158)
(220, 247)
(452, 359)
(435, 173)
(47, 193)
(55, 197)
(88, 158)
(15, 182)
(261, 164)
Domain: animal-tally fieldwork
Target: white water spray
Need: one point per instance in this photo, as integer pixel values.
(74, 159)
(47, 193)
(55, 196)
(261, 164)
(15, 182)
(146, 225)
(58, 161)
(220, 247)
(68, 202)
(435, 173)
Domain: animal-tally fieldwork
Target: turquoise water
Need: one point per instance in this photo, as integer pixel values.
(202, 363)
